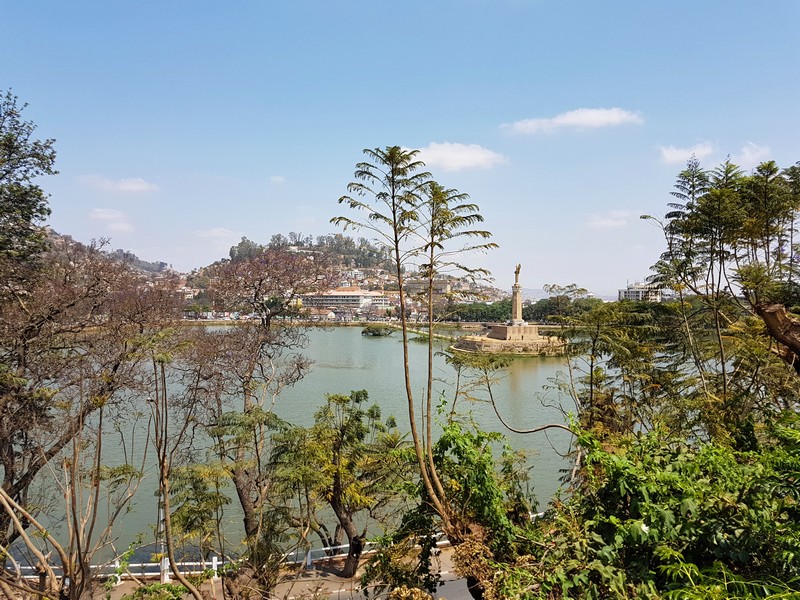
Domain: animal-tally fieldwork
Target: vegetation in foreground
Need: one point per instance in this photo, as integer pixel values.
(684, 414)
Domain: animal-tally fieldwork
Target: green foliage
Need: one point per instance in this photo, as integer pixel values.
(486, 496)
(23, 204)
(614, 366)
(446, 230)
(662, 518)
(479, 490)
(198, 499)
(349, 461)
(245, 249)
(118, 476)
(124, 560)
(729, 251)
(403, 559)
(157, 591)
(376, 330)
(482, 312)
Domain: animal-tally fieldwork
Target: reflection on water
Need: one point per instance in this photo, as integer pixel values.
(344, 360)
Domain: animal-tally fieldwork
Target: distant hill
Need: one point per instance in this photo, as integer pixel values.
(136, 262)
(120, 255)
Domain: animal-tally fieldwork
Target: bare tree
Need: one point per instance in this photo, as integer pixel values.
(240, 371)
(69, 333)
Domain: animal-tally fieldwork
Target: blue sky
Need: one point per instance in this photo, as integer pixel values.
(182, 126)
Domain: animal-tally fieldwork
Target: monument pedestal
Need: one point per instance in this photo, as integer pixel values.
(515, 338)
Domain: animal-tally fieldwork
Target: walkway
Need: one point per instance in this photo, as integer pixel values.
(320, 583)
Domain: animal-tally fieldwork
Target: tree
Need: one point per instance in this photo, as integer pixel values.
(349, 461)
(244, 249)
(445, 219)
(486, 485)
(235, 377)
(428, 226)
(70, 336)
(727, 259)
(199, 501)
(671, 518)
(269, 283)
(23, 204)
(168, 440)
(394, 181)
(481, 312)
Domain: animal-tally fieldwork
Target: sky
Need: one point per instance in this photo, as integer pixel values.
(182, 126)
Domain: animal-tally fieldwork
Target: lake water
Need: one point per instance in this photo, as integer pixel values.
(344, 360)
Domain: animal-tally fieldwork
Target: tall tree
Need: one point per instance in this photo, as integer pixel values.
(727, 257)
(426, 226)
(446, 232)
(237, 374)
(23, 204)
(393, 181)
(69, 347)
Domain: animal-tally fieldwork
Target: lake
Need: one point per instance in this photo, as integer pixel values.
(344, 360)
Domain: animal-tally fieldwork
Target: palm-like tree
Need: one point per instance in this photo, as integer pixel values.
(427, 224)
(446, 220)
(393, 179)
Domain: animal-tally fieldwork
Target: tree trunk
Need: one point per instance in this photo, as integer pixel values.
(355, 542)
(241, 483)
(353, 556)
(785, 329)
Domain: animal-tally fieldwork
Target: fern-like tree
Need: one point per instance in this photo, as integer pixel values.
(388, 192)
(426, 226)
(447, 231)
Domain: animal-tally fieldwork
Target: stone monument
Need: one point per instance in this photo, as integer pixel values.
(513, 337)
(516, 300)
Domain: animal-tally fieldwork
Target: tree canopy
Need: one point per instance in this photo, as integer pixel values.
(23, 204)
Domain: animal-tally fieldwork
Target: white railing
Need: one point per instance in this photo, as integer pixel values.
(215, 564)
(151, 570)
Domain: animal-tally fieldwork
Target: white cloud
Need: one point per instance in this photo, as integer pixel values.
(457, 157)
(751, 155)
(122, 226)
(131, 185)
(673, 155)
(610, 220)
(115, 220)
(582, 118)
(277, 179)
(218, 233)
(220, 239)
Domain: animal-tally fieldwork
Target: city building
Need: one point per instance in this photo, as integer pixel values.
(641, 292)
(349, 299)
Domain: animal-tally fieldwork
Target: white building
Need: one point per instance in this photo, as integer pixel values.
(641, 292)
(350, 299)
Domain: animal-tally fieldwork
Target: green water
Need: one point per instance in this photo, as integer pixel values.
(344, 360)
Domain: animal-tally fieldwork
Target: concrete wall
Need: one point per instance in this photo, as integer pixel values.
(542, 346)
(516, 333)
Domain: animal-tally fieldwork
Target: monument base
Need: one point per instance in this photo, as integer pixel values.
(512, 339)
